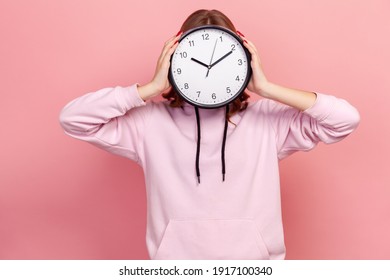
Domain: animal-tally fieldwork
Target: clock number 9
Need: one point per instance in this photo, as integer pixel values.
(178, 71)
(214, 96)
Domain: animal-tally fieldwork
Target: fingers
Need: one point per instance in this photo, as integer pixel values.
(160, 78)
(165, 59)
(252, 49)
(258, 79)
(248, 44)
(168, 46)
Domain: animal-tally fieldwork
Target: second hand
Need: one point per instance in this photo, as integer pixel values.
(211, 60)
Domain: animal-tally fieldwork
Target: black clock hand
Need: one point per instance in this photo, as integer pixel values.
(211, 60)
(200, 62)
(223, 57)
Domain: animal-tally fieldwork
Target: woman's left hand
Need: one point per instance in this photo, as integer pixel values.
(259, 84)
(258, 81)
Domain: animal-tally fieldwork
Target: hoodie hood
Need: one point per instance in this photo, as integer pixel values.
(212, 122)
(208, 129)
(211, 126)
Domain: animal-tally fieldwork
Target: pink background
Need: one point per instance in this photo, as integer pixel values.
(61, 198)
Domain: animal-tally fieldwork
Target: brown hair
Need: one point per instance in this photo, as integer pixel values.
(205, 17)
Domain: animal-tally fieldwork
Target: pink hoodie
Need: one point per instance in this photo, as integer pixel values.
(239, 218)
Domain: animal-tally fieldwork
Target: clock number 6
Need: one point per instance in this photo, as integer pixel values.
(214, 96)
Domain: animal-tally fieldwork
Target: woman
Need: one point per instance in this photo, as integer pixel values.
(235, 218)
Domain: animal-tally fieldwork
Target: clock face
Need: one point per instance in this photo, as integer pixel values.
(210, 67)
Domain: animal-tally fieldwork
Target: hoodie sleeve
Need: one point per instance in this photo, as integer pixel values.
(112, 119)
(329, 120)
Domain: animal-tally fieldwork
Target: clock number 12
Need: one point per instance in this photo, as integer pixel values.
(205, 36)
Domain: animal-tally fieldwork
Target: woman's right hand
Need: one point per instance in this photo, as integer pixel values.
(160, 82)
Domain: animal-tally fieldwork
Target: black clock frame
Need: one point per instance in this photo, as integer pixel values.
(239, 92)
